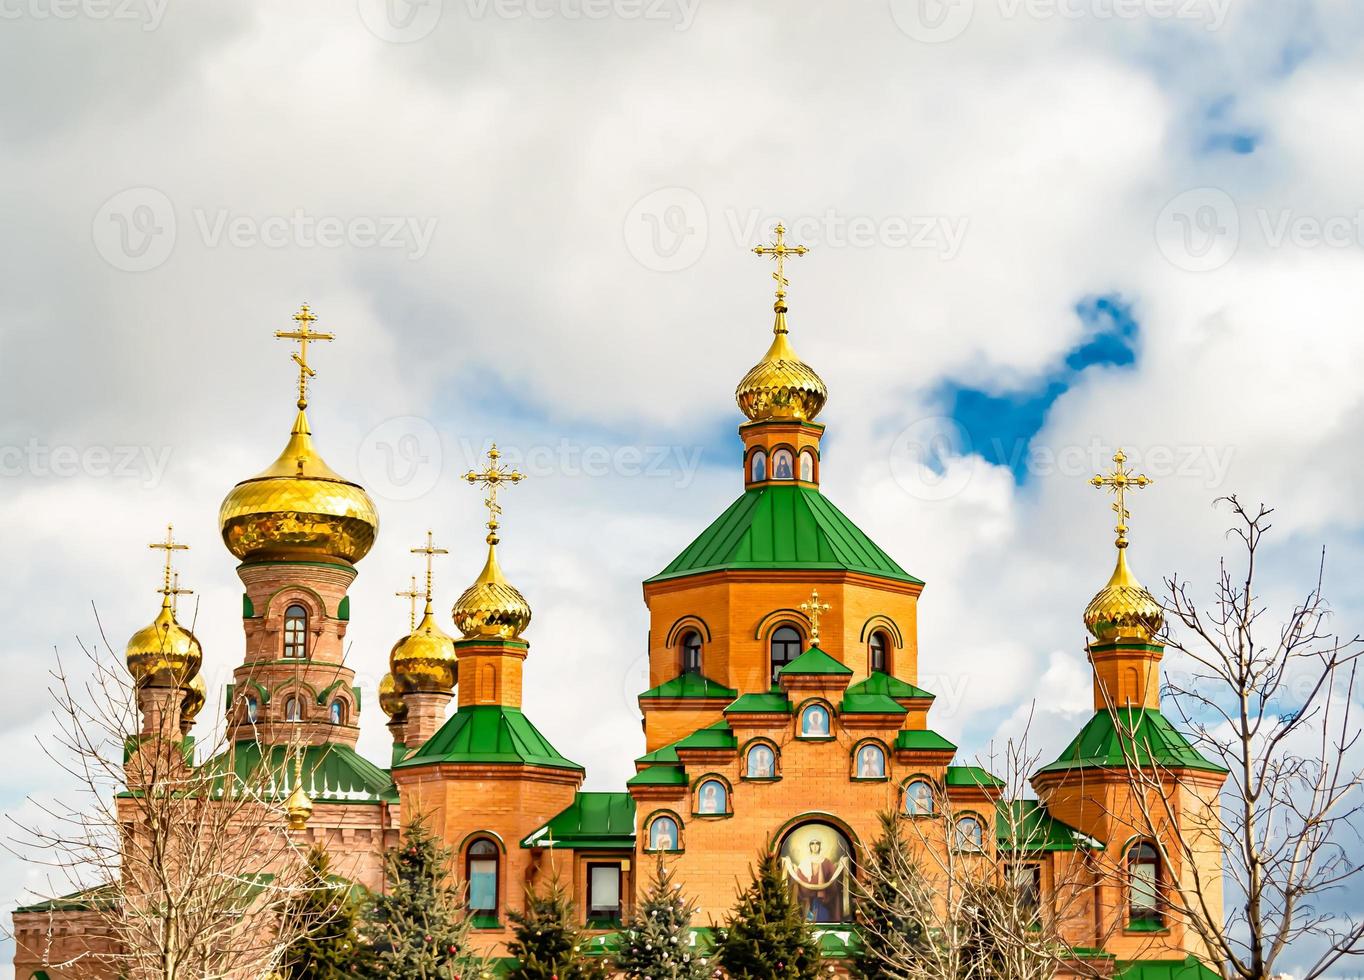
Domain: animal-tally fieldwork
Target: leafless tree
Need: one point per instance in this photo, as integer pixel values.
(1274, 705)
(180, 870)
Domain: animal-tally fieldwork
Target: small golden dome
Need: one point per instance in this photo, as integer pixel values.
(492, 608)
(391, 698)
(298, 508)
(781, 385)
(298, 807)
(1124, 609)
(164, 654)
(196, 695)
(425, 659)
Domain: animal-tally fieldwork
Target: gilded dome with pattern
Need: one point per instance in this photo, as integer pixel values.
(164, 653)
(391, 698)
(424, 660)
(299, 508)
(196, 695)
(492, 608)
(1124, 609)
(781, 385)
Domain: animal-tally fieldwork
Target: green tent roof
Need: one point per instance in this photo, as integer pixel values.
(783, 526)
(716, 736)
(592, 821)
(923, 740)
(891, 687)
(690, 686)
(815, 661)
(1145, 736)
(871, 704)
(484, 733)
(764, 702)
(659, 776)
(973, 777)
(332, 773)
(1032, 830)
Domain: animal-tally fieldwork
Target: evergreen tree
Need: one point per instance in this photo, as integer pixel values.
(548, 944)
(767, 937)
(328, 945)
(419, 929)
(656, 942)
(887, 911)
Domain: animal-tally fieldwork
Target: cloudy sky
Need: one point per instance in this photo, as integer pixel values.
(1039, 229)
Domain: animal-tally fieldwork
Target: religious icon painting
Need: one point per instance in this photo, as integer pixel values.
(871, 762)
(762, 762)
(712, 798)
(781, 465)
(817, 860)
(814, 722)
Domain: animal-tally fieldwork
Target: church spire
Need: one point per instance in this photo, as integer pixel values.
(1123, 609)
(492, 606)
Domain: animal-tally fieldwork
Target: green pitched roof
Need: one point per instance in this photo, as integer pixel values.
(484, 733)
(332, 773)
(973, 777)
(815, 661)
(871, 704)
(690, 686)
(82, 901)
(888, 686)
(765, 702)
(667, 755)
(592, 821)
(923, 741)
(659, 776)
(1031, 829)
(716, 736)
(1187, 969)
(1145, 736)
(783, 526)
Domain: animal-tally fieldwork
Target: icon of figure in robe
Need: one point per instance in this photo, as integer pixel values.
(817, 888)
(781, 465)
(761, 763)
(815, 722)
(712, 798)
(807, 467)
(870, 763)
(665, 835)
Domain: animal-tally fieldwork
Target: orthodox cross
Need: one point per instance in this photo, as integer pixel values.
(814, 608)
(411, 595)
(430, 551)
(1118, 483)
(170, 546)
(779, 250)
(305, 335)
(492, 478)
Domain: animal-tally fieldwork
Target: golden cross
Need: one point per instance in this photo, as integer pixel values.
(1118, 483)
(813, 608)
(305, 335)
(430, 551)
(411, 595)
(170, 546)
(493, 477)
(779, 250)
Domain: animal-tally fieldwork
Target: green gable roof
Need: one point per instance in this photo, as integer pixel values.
(716, 736)
(923, 741)
(1032, 830)
(1146, 737)
(973, 777)
(332, 773)
(592, 821)
(690, 686)
(891, 687)
(783, 526)
(659, 776)
(666, 755)
(815, 661)
(485, 733)
(871, 704)
(765, 702)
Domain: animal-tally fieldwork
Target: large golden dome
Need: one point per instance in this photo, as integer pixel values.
(425, 659)
(492, 608)
(1124, 609)
(164, 653)
(298, 508)
(781, 385)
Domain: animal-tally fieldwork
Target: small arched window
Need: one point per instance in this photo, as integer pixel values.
(785, 648)
(712, 797)
(293, 709)
(691, 653)
(870, 761)
(252, 709)
(481, 870)
(663, 834)
(877, 648)
(1143, 874)
(970, 835)
(758, 467)
(814, 722)
(338, 712)
(807, 466)
(918, 798)
(761, 762)
(295, 633)
(781, 465)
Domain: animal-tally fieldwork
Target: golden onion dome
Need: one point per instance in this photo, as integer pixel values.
(164, 653)
(298, 508)
(781, 385)
(424, 660)
(1124, 609)
(492, 608)
(196, 695)
(298, 807)
(391, 698)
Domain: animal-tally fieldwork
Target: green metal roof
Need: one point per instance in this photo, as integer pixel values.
(891, 687)
(765, 702)
(690, 686)
(815, 661)
(1187, 969)
(593, 821)
(973, 777)
(871, 704)
(923, 741)
(783, 526)
(332, 773)
(1146, 738)
(1032, 830)
(667, 755)
(82, 901)
(716, 736)
(488, 733)
(659, 776)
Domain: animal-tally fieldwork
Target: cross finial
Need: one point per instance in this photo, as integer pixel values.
(813, 608)
(430, 551)
(305, 335)
(492, 478)
(170, 546)
(411, 595)
(1118, 483)
(779, 250)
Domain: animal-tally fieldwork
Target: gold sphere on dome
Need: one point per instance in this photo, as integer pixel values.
(491, 608)
(781, 385)
(298, 508)
(391, 698)
(196, 695)
(1124, 609)
(425, 659)
(164, 653)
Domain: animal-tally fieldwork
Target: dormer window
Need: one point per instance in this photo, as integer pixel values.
(785, 648)
(295, 633)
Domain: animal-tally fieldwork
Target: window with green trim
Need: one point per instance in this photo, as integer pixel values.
(918, 798)
(969, 834)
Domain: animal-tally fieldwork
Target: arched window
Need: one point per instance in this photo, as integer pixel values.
(663, 834)
(691, 653)
(877, 648)
(814, 722)
(1143, 874)
(970, 835)
(785, 648)
(712, 797)
(807, 466)
(761, 762)
(252, 709)
(481, 867)
(295, 633)
(293, 709)
(918, 798)
(781, 465)
(338, 712)
(758, 467)
(869, 762)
